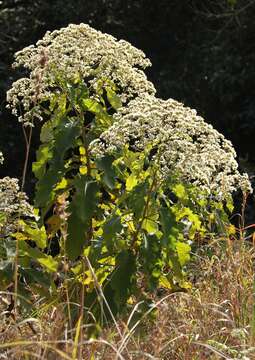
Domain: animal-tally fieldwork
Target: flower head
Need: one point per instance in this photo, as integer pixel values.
(185, 144)
(77, 51)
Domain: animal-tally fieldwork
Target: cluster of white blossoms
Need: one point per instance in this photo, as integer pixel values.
(185, 144)
(76, 51)
(13, 205)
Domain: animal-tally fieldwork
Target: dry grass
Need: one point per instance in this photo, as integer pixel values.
(212, 321)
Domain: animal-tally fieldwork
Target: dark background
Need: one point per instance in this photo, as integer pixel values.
(202, 53)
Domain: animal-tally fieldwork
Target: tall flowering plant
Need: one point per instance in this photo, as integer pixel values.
(123, 179)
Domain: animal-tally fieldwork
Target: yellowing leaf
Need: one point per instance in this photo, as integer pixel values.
(82, 150)
(183, 251)
(164, 282)
(20, 236)
(54, 223)
(131, 182)
(179, 191)
(83, 170)
(62, 184)
(113, 98)
(150, 226)
(231, 230)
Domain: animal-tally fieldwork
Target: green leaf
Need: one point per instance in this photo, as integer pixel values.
(121, 280)
(93, 106)
(47, 132)
(66, 134)
(150, 226)
(35, 234)
(183, 251)
(113, 98)
(136, 199)
(168, 225)
(180, 191)
(46, 261)
(82, 208)
(105, 164)
(111, 227)
(131, 182)
(43, 155)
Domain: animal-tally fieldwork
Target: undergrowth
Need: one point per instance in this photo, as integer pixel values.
(127, 251)
(213, 320)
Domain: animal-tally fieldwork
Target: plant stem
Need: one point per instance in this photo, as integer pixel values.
(28, 144)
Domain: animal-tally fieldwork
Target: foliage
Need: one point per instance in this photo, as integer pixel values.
(202, 54)
(111, 228)
(213, 319)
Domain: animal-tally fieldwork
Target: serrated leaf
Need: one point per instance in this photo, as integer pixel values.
(46, 134)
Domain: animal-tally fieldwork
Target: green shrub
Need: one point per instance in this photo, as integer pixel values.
(115, 183)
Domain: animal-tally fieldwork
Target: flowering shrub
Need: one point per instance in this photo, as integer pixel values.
(18, 221)
(115, 171)
(13, 205)
(73, 53)
(182, 141)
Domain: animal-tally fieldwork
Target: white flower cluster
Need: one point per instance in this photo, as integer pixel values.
(185, 144)
(13, 204)
(77, 50)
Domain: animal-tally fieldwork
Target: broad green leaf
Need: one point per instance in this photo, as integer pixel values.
(183, 251)
(136, 200)
(81, 208)
(31, 231)
(180, 191)
(105, 164)
(131, 182)
(168, 225)
(43, 155)
(92, 106)
(111, 227)
(150, 226)
(113, 98)
(46, 261)
(121, 279)
(65, 138)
